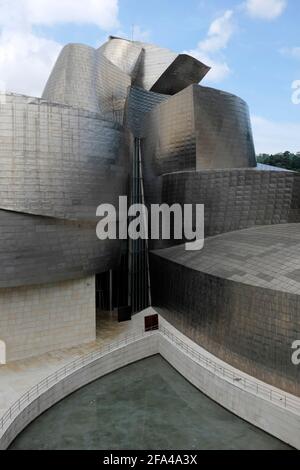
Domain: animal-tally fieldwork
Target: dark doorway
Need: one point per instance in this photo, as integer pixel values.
(103, 292)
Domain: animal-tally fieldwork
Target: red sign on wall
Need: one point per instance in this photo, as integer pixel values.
(151, 323)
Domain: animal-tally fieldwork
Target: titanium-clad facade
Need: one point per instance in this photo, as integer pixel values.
(236, 199)
(199, 129)
(184, 71)
(130, 119)
(65, 154)
(36, 249)
(238, 298)
(223, 130)
(58, 163)
(98, 79)
(139, 103)
(83, 77)
(126, 55)
(152, 67)
(57, 160)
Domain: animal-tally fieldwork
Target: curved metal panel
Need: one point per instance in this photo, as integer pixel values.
(36, 250)
(57, 160)
(199, 128)
(125, 54)
(184, 71)
(235, 299)
(233, 199)
(83, 77)
(223, 130)
(152, 67)
(139, 103)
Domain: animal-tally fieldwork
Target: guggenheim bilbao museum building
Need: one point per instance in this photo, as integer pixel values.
(130, 119)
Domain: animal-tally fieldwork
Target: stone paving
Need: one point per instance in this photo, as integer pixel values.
(19, 376)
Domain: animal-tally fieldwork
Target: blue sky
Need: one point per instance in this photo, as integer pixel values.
(252, 45)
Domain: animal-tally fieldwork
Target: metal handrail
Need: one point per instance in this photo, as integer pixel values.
(250, 385)
(77, 364)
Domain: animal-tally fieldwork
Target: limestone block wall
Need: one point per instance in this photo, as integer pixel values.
(42, 318)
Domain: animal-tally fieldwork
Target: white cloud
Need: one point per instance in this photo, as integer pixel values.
(209, 49)
(139, 34)
(275, 136)
(26, 58)
(103, 13)
(219, 33)
(265, 9)
(293, 52)
(219, 68)
(136, 32)
(26, 61)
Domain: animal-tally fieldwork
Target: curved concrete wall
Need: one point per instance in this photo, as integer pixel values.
(85, 374)
(232, 395)
(262, 412)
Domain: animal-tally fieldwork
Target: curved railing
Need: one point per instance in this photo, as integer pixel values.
(250, 385)
(60, 374)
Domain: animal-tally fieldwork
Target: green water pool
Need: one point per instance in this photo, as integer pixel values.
(146, 405)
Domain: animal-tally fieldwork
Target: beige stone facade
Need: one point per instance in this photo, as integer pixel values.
(38, 319)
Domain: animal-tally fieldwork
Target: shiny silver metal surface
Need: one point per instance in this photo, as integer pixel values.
(38, 250)
(184, 71)
(234, 199)
(152, 67)
(63, 155)
(164, 71)
(124, 54)
(199, 128)
(57, 160)
(139, 103)
(83, 77)
(239, 298)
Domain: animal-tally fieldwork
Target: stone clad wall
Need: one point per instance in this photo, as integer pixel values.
(42, 318)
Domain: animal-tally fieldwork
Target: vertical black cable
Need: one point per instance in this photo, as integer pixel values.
(139, 281)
